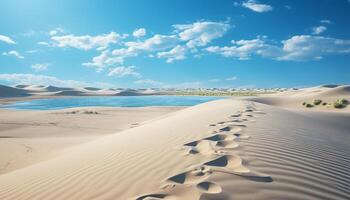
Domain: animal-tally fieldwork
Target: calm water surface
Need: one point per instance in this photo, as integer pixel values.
(120, 101)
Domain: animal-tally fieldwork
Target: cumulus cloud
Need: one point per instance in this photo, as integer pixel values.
(148, 82)
(307, 47)
(40, 66)
(244, 49)
(256, 6)
(117, 56)
(6, 39)
(32, 79)
(124, 71)
(87, 42)
(298, 48)
(139, 32)
(318, 30)
(177, 53)
(201, 33)
(155, 43)
(103, 60)
(13, 53)
(170, 47)
(56, 31)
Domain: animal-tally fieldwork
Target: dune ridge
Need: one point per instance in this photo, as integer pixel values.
(256, 147)
(225, 149)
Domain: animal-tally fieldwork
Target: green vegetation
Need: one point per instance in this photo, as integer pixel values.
(317, 101)
(340, 103)
(309, 105)
(218, 93)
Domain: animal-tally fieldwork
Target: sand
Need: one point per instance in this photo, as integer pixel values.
(28, 137)
(252, 148)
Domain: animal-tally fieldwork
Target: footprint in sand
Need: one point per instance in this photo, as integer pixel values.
(235, 115)
(209, 187)
(233, 164)
(193, 192)
(194, 176)
(186, 185)
(192, 184)
(205, 147)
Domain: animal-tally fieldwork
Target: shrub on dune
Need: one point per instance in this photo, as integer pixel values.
(308, 105)
(340, 103)
(317, 101)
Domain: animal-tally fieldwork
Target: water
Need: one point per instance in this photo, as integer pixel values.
(120, 101)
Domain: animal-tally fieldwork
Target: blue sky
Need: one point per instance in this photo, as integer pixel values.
(197, 43)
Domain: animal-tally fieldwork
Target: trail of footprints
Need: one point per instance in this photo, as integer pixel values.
(219, 144)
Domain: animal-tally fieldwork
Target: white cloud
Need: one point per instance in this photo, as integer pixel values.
(32, 79)
(103, 60)
(243, 49)
(326, 21)
(139, 33)
(177, 53)
(6, 39)
(232, 78)
(201, 33)
(256, 6)
(117, 56)
(307, 47)
(298, 48)
(56, 31)
(44, 43)
(86, 42)
(124, 71)
(148, 82)
(155, 43)
(318, 30)
(13, 53)
(40, 66)
(163, 46)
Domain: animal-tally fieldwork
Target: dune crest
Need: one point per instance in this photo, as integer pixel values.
(224, 149)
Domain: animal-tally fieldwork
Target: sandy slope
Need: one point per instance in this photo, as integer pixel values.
(294, 99)
(27, 137)
(224, 149)
(257, 148)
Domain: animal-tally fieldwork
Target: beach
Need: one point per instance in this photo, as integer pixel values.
(265, 147)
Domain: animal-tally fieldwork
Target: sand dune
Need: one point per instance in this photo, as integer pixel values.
(225, 149)
(40, 91)
(34, 136)
(253, 148)
(6, 91)
(294, 99)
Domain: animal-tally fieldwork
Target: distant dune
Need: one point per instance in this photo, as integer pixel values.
(39, 90)
(6, 91)
(294, 99)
